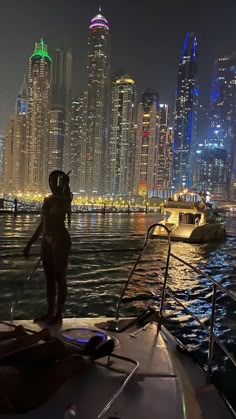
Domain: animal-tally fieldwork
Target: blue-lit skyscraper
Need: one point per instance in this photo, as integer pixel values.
(222, 113)
(185, 114)
(212, 164)
(223, 100)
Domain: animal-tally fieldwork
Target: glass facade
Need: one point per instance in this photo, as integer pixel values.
(121, 143)
(37, 119)
(98, 105)
(78, 143)
(222, 113)
(185, 125)
(146, 145)
(212, 165)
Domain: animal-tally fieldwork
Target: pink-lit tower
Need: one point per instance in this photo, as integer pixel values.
(98, 105)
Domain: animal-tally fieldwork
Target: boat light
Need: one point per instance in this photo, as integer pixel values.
(82, 335)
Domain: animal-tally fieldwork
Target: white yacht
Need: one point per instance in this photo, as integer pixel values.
(149, 374)
(189, 218)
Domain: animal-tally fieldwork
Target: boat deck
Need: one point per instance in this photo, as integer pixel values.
(160, 389)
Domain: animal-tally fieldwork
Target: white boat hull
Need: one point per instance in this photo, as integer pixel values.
(191, 233)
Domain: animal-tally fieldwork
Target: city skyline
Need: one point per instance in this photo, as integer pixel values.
(72, 20)
(115, 142)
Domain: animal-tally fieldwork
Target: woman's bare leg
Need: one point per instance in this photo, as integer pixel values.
(47, 259)
(61, 254)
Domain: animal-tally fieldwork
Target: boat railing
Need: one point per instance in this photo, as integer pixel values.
(167, 291)
(184, 205)
(212, 337)
(179, 204)
(150, 229)
(128, 378)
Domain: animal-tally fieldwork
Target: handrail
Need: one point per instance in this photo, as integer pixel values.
(212, 338)
(21, 292)
(123, 385)
(209, 278)
(203, 326)
(137, 262)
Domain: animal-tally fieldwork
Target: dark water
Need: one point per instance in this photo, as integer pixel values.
(103, 253)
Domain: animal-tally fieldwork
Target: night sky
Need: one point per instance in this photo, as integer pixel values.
(147, 39)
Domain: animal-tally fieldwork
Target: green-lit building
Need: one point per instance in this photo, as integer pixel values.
(38, 105)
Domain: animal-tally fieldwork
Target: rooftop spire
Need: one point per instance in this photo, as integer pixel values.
(23, 89)
(41, 50)
(100, 8)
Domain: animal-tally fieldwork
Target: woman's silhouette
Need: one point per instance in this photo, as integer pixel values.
(56, 243)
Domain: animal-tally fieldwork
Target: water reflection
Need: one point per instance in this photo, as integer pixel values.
(103, 255)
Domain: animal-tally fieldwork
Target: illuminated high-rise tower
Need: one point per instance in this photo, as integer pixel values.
(185, 114)
(222, 114)
(38, 106)
(146, 145)
(162, 161)
(2, 158)
(77, 155)
(98, 104)
(212, 165)
(15, 145)
(59, 115)
(61, 84)
(121, 142)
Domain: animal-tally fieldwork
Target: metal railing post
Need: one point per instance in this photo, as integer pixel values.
(165, 282)
(21, 292)
(137, 262)
(211, 335)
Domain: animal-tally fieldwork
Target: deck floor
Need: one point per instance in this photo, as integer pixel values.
(159, 390)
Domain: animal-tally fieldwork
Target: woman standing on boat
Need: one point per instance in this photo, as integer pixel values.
(55, 245)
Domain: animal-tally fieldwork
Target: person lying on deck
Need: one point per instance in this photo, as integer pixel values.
(33, 366)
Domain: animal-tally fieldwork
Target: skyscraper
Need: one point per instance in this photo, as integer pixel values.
(78, 139)
(21, 101)
(38, 106)
(15, 144)
(222, 112)
(59, 114)
(170, 154)
(14, 155)
(122, 137)
(61, 84)
(146, 145)
(56, 137)
(186, 114)
(162, 161)
(212, 162)
(2, 158)
(98, 101)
